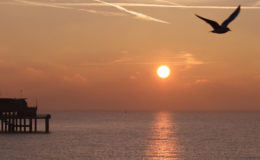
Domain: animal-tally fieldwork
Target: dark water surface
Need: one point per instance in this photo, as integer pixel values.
(140, 136)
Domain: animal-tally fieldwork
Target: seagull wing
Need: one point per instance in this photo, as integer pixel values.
(231, 17)
(213, 24)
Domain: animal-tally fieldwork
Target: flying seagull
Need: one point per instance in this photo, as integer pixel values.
(223, 27)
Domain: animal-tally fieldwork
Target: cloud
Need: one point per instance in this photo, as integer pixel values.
(75, 79)
(181, 60)
(104, 13)
(65, 6)
(121, 7)
(169, 2)
(173, 5)
(34, 72)
(257, 3)
(133, 77)
(42, 4)
(189, 59)
(60, 6)
(202, 81)
(122, 60)
(9, 3)
(137, 14)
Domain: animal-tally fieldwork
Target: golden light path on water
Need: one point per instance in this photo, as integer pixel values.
(162, 141)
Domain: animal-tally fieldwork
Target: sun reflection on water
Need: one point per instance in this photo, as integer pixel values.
(162, 140)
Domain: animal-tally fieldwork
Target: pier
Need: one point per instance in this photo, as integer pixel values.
(17, 117)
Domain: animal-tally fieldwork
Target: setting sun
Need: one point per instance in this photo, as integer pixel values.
(163, 71)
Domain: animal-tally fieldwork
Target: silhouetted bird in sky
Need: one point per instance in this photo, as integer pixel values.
(223, 27)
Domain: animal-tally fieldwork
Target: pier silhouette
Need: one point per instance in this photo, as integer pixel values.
(17, 117)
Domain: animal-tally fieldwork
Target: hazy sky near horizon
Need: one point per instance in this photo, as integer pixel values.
(103, 54)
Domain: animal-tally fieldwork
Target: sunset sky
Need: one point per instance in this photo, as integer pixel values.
(103, 54)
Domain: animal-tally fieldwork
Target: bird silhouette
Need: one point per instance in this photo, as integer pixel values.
(220, 29)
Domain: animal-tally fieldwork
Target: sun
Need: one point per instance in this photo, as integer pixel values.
(163, 71)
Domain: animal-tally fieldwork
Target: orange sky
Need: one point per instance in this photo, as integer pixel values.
(92, 54)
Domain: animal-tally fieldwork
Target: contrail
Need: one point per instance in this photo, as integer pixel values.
(42, 4)
(169, 2)
(256, 6)
(104, 13)
(121, 7)
(137, 14)
(57, 5)
(9, 3)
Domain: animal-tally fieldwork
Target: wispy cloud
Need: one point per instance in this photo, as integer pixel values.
(137, 14)
(42, 4)
(75, 79)
(182, 60)
(61, 6)
(9, 3)
(202, 81)
(168, 2)
(257, 3)
(106, 13)
(190, 59)
(121, 7)
(122, 60)
(173, 5)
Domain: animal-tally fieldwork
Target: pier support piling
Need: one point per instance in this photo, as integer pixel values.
(35, 125)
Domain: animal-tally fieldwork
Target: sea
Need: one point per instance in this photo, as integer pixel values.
(132, 135)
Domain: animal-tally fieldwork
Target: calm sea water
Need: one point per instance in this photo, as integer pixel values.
(139, 136)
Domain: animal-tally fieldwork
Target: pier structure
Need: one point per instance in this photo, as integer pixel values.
(17, 117)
